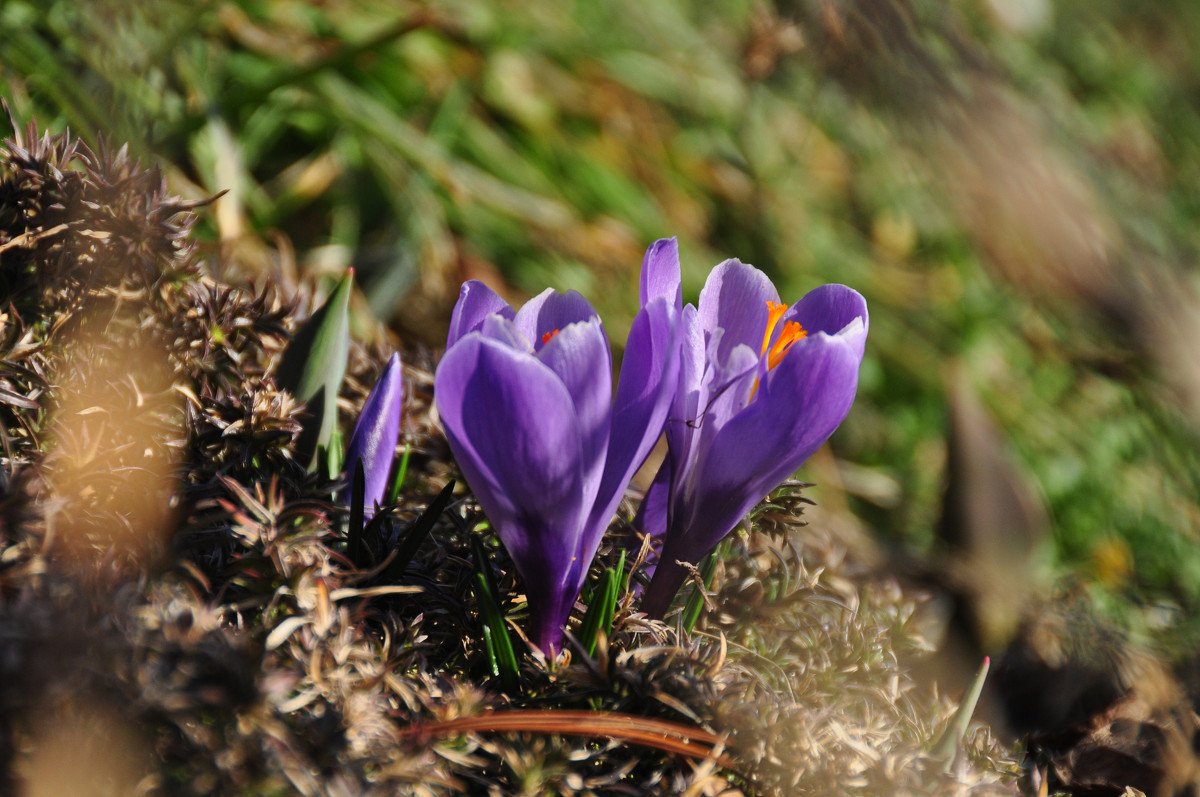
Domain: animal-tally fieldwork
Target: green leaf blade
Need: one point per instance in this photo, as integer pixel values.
(316, 360)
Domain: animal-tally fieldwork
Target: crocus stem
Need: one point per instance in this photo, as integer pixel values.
(668, 577)
(545, 626)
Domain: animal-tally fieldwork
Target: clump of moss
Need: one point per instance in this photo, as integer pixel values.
(177, 605)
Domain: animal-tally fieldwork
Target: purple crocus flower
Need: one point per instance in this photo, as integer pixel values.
(376, 434)
(527, 404)
(762, 385)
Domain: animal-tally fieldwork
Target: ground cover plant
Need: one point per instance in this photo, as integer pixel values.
(1010, 187)
(189, 606)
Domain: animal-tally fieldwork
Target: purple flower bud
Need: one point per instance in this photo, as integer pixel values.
(527, 403)
(762, 385)
(376, 434)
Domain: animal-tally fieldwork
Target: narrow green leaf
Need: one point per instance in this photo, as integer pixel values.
(622, 578)
(949, 744)
(490, 646)
(602, 605)
(316, 359)
(611, 594)
(29, 54)
(252, 94)
(372, 530)
(600, 610)
(393, 492)
(420, 529)
(483, 562)
(354, 529)
(493, 617)
(691, 612)
(495, 635)
(626, 576)
(335, 455)
(307, 448)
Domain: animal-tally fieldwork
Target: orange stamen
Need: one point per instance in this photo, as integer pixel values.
(775, 311)
(546, 337)
(791, 332)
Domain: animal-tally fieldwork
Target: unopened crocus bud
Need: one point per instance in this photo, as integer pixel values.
(377, 432)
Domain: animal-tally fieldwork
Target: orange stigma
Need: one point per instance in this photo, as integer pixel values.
(546, 337)
(791, 332)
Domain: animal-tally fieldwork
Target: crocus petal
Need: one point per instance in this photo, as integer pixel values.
(808, 395)
(729, 387)
(724, 390)
(579, 355)
(651, 517)
(805, 399)
(735, 299)
(660, 273)
(743, 421)
(731, 381)
(512, 425)
(649, 375)
(503, 330)
(551, 311)
(691, 395)
(831, 309)
(377, 432)
(476, 302)
(515, 423)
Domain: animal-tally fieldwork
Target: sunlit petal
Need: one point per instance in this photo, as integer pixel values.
(550, 311)
(735, 299)
(660, 273)
(476, 302)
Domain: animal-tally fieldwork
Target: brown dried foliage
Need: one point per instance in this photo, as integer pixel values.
(168, 571)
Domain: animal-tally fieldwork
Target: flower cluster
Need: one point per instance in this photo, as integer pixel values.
(745, 388)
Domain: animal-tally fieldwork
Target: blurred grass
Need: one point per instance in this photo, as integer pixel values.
(546, 143)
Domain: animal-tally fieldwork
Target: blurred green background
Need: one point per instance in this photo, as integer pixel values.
(1012, 184)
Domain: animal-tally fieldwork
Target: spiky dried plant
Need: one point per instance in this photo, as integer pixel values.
(170, 572)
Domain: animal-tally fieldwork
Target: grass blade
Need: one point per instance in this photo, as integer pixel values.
(495, 635)
(393, 492)
(417, 533)
(354, 530)
(498, 640)
(489, 644)
(601, 606)
(949, 744)
(691, 612)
